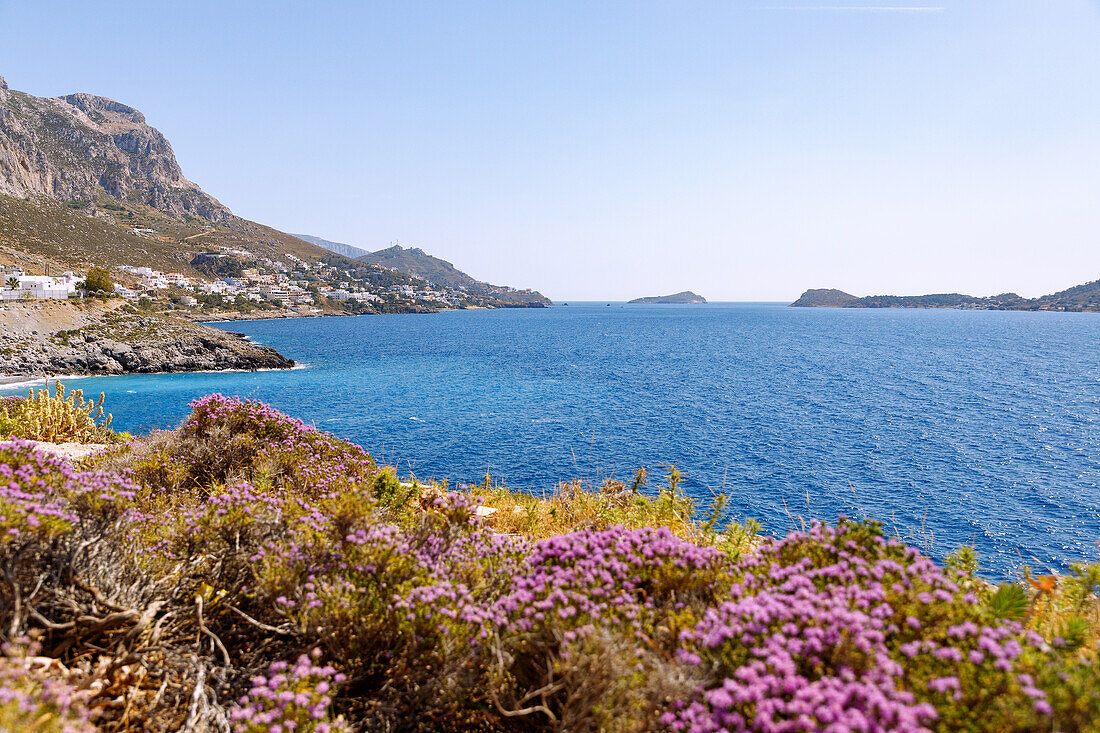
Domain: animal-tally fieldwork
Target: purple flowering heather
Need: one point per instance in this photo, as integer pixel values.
(290, 698)
(42, 493)
(296, 455)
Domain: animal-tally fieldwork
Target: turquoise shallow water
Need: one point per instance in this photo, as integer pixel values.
(982, 426)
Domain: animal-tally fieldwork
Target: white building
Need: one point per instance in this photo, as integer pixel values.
(40, 287)
(217, 286)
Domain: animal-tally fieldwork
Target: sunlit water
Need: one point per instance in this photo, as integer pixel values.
(981, 427)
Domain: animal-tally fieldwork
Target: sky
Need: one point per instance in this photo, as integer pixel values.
(743, 149)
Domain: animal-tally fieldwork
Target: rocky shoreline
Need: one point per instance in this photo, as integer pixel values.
(47, 338)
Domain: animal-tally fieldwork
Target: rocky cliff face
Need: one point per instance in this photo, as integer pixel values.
(68, 148)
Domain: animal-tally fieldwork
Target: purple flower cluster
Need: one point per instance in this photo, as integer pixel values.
(298, 456)
(42, 493)
(839, 629)
(10, 401)
(290, 698)
(603, 576)
(32, 690)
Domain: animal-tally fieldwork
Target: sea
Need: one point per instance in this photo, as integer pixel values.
(950, 427)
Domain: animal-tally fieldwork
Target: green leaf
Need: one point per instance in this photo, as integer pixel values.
(1009, 602)
(1075, 631)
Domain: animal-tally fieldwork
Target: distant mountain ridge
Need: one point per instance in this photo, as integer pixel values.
(415, 262)
(1084, 297)
(339, 248)
(685, 297)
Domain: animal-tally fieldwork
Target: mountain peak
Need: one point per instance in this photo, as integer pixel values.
(3, 84)
(95, 106)
(75, 147)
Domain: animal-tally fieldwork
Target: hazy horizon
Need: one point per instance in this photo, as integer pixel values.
(745, 151)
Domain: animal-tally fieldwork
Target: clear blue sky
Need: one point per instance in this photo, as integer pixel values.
(744, 149)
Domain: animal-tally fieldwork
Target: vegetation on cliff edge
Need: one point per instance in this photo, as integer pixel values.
(248, 572)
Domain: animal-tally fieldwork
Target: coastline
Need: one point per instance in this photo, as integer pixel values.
(23, 381)
(43, 338)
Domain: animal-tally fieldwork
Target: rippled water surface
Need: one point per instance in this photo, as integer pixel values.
(983, 427)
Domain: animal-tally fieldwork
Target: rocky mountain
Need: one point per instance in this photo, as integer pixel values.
(69, 148)
(685, 297)
(415, 261)
(1084, 297)
(84, 180)
(418, 263)
(338, 247)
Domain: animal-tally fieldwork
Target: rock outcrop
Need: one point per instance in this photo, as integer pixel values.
(69, 148)
(113, 338)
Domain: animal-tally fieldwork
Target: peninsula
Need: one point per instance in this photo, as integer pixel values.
(685, 297)
(1084, 297)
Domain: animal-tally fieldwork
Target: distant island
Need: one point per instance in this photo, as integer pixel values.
(685, 297)
(1078, 298)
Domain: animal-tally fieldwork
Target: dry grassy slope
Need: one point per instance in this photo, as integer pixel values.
(51, 316)
(34, 232)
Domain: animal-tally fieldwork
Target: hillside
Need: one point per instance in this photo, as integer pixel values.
(1084, 297)
(418, 263)
(84, 180)
(111, 233)
(685, 297)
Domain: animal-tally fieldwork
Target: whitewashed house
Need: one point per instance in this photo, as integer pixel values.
(40, 287)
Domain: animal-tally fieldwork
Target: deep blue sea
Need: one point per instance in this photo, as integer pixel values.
(980, 427)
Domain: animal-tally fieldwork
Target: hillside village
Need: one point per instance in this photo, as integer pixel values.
(239, 283)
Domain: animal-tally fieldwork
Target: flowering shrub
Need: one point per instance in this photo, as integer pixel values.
(250, 536)
(271, 447)
(41, 494)
(838, 626)
(35, 696)
(290, 698)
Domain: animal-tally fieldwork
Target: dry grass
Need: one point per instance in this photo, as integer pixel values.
(579, 505)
